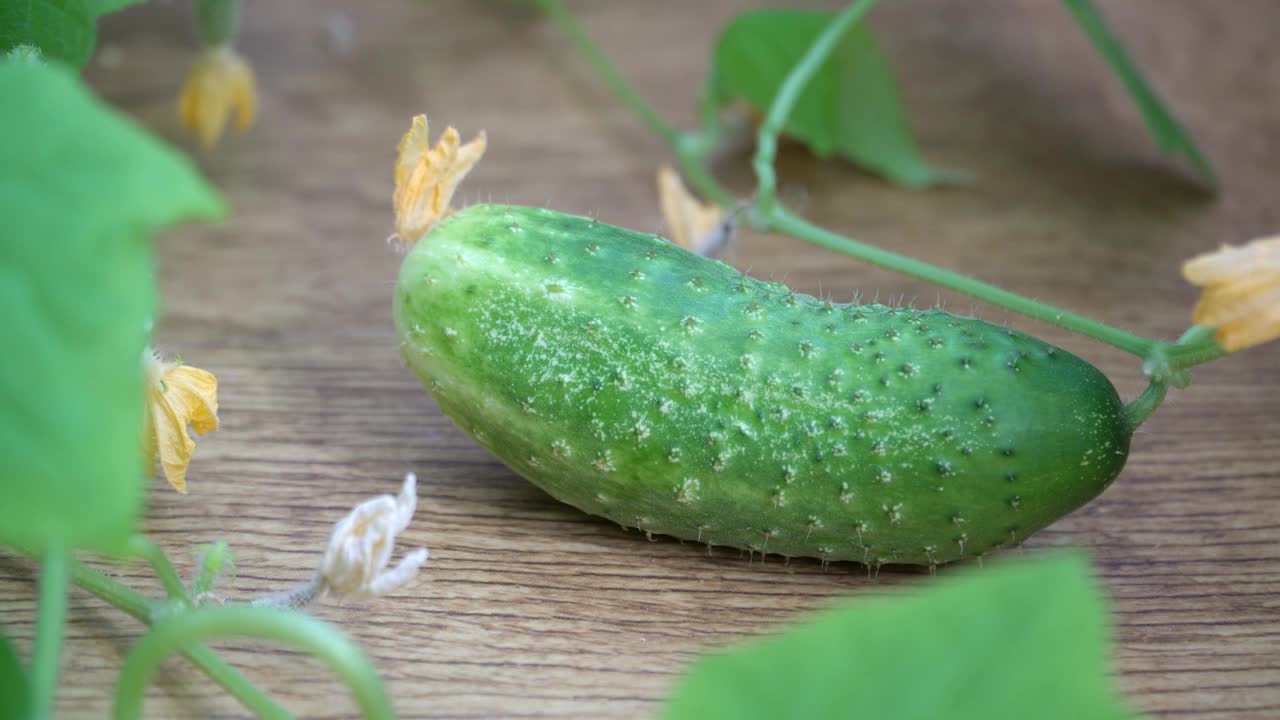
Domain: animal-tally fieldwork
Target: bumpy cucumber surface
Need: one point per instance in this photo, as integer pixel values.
(669, 392)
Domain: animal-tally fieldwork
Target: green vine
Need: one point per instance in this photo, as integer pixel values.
(302, 631)
(133, 603)
(54, 576)
(1163, 363)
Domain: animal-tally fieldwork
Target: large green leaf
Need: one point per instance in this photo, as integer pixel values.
(1167, 130)
(15, 696)
(1023, 639)
(851, 106)
(103, 7)
(62, 29)
(80, 189)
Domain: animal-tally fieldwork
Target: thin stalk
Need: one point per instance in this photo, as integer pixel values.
(1141, 408)
(296, 597)
(783, 221)
(292, 628)
(217, 21)
(121, 596)
(163, 569)
(691, 152)
(50, 626)
(596, 57)
(1182, 356)
(133, 603)
(789, 94)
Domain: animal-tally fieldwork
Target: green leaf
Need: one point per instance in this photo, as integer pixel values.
(851, 106)
(1023, 639)
(62, 29)
(1169, 133)
(15, 695)
(104, 7)
(81, 187)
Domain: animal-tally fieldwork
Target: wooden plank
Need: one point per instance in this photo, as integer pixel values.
(531, 608)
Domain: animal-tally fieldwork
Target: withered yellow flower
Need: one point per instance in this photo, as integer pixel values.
(356, 562)
(177, 395)
(220, 83)
(694, 226)
(427, 177)
(1241, 297)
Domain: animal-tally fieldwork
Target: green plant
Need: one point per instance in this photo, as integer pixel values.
(84, 188)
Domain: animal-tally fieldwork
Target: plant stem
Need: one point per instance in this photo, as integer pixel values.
(50, 624)
(783, 221)
(163, 569)
(217, 21)
(121, 596)
(1185, 355)
(556, 10)
(296, 597)
(691, 153)
(133, 603)
(1140, 408)
(293, 628)
(789, 94)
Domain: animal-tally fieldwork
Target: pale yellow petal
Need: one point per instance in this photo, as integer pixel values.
(1229, 261)
(245, 97)
(1226, 302)
(173, 445)
(426, 177)
(413, 145)
(1254, 330)
(219, 83)
(186, 106)
(689, 222)
(1241, 297)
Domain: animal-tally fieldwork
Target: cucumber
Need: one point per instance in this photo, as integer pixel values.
(669, 392)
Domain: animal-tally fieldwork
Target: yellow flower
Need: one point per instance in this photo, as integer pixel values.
(426, 177)
(177, 395)
(694, 226)
(220, 83)
(1241, 292)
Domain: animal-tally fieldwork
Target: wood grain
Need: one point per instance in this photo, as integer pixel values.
(530, 608)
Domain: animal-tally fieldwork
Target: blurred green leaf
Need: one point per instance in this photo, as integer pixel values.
(103, 7)
(62, 29)
(1168, 132)
(850, 108)
(15, 695)
(80, 190)
(1021, 639)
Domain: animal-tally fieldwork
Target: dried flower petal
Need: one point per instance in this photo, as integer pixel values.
(219, 83)
(177, 395)
(427, 177)
(355, 563)
(1241, 292)
(694, 226)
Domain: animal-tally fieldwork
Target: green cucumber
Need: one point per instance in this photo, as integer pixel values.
(669, 392)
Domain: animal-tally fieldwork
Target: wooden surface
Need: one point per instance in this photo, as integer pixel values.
(528, 607)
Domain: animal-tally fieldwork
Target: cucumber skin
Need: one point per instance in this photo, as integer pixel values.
(669, 392)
